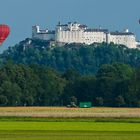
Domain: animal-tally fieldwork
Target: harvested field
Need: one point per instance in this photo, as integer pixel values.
(64, 112)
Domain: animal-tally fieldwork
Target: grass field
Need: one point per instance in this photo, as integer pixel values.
(59, 135)
(68, 136)
(34, 125)
(68, 130)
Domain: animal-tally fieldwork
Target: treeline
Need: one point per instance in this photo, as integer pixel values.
(116, 85)
(85, 59)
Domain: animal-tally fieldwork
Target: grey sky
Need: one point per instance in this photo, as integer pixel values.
(20, 15)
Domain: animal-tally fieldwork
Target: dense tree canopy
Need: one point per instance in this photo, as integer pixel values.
(86, 59)
(33, 73)
(113, 85)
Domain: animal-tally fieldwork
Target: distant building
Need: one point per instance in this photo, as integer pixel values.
(42, 34)
(77, 33)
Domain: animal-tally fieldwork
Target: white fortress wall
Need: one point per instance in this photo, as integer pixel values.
(77, 33)
(94, 37)
(127, 40)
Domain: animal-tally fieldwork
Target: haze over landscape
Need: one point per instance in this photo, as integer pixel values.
(21, 15)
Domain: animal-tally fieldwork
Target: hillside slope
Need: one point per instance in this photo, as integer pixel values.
(83, 58)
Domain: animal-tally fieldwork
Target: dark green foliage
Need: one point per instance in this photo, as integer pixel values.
(3, 100)
(99, 101)
(120, 101)
(27, 86)
(113, 85)
(12, 91)
(33, 73)
(83, 58)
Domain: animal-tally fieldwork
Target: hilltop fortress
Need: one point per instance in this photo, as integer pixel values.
(77, 33)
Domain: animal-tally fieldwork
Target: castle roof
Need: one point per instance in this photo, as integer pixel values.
(121, 33)
(97, 30)
(83, 26)
(63, 25)
(49, 32)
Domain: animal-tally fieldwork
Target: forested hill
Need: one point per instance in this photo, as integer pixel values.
(83, 58)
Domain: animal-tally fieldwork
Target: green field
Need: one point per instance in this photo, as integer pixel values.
(60, 123)
(69, 129)
(71, 135)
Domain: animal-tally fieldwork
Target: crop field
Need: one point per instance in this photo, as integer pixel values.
(58, 123)
(69, 112)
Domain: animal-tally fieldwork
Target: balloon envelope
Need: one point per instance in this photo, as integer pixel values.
(4, 32)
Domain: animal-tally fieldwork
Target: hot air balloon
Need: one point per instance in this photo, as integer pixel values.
(4, 32)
